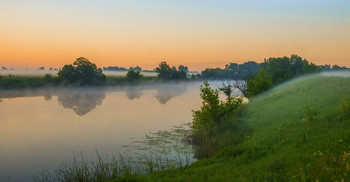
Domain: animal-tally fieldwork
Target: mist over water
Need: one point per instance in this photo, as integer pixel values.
(40, 128)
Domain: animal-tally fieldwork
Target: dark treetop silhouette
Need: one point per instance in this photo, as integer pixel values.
(82, 72)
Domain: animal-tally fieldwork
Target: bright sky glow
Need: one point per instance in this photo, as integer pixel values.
(196, 33)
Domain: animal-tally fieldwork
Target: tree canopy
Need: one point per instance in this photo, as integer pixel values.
(165, 72)
(274, 71)
(284, 68)
(232, 71)
(82, 72)
(258, 83)
(133, 76)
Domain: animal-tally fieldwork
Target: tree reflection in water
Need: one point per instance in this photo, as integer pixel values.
(84, 100)
(166, 92)
(81, 101)
(133, 93)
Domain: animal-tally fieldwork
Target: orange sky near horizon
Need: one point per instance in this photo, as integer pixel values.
(119, 33)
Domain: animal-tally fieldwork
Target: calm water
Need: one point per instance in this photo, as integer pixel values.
(41, 128)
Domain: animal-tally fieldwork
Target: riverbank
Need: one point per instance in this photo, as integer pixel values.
(21, 82)
(300, 132)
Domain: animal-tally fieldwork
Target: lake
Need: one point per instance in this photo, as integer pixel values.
(41, 128)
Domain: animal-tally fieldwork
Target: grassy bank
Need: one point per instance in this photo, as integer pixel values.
(20, 82)
(301, 132)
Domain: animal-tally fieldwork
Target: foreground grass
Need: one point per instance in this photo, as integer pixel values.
(300, 134)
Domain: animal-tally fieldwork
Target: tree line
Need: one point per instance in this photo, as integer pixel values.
(258, 76)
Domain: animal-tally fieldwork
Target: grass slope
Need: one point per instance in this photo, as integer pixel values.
(299, 135)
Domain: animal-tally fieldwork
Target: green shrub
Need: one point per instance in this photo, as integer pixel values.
(217, 122)
(133, 76)
(48, 77)
(258, 83)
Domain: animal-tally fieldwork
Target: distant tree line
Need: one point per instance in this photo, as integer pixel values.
(258, 76)
(294, 66)
(116, 68)
(231, 71)
(263, 76)
(328, 67)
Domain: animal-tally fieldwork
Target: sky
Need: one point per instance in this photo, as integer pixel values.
(196, 33)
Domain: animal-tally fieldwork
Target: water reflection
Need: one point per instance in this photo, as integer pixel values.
(166, 92)
(133, 93)
(48, 96)
(81, 102)
(38, 133)
(84, 100)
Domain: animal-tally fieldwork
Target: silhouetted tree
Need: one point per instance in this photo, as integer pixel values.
(227, 89)
(232, 71)
(216, 73)
(165, 72)
(133, 76)
(137, 68)
(68, 74)
(338, 68)
(248, 68)
(82, 71)
(183, 68)
(325, 67)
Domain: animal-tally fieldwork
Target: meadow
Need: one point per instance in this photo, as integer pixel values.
(300, 131)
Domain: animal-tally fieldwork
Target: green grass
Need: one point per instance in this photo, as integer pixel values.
(285, 144)
(20, 82)
(300, 132)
